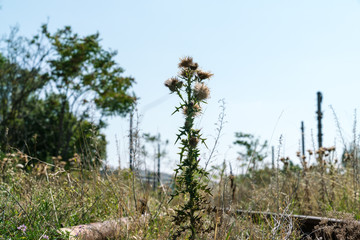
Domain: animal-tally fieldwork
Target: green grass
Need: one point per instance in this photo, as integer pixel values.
(44, 203)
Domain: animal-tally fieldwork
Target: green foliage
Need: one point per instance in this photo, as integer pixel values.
(20, 79)
(38, 129)
(44, 204)
(79, 65)
(193, 92)
(48, 86)
(253, 149)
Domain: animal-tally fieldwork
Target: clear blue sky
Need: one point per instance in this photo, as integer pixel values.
(269, 59)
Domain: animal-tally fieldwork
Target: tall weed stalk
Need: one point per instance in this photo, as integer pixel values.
(190, 88)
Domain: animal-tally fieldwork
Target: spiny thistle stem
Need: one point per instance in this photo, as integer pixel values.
(189, 186)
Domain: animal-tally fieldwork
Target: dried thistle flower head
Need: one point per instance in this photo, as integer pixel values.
(193, 141)
(194, 66)
(195, 109)
(321, 150)
(185, 72)
(204, 75)
(173, 84)
(186, 62)
(201, 91)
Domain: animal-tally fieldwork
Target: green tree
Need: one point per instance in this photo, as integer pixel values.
(82, 72)
(253, 151)
(48, 86)
(20, 79)
(41, 133)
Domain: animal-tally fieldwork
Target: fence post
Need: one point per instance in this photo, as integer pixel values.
(319, 118)
(302, 138)
(131, 141)
(272, 158)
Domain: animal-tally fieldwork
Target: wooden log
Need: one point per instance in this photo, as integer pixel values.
(99, 230)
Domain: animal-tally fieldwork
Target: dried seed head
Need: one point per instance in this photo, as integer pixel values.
(204, 75)
(62, 164)
(194, 66)
(173, 84)
(201, 91)
(186, 62)
(193, 141)
(186, 73)
(195, 110)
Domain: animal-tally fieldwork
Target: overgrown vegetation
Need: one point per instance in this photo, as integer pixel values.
(190, 185)
(48, 198)
(55, 90)
(52, 175)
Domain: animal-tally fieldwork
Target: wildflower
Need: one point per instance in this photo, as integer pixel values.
(204, 75)
(195, 109)
(45, 237)
(201, 91)
(186, 73)
(173, 84)
(186, 62)
(193, 141)
(22, 228)
(194, 66)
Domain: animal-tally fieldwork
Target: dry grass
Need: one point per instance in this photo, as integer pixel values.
(46, 198)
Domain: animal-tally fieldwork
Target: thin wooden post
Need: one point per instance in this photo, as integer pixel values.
(319, 118)
(158, 172)
(302, 138)
(272, 158)
(131, 141)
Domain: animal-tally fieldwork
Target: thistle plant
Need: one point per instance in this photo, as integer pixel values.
(189, 85)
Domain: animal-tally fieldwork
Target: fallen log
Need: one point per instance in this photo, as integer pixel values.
(100, 230)
(311, 227)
